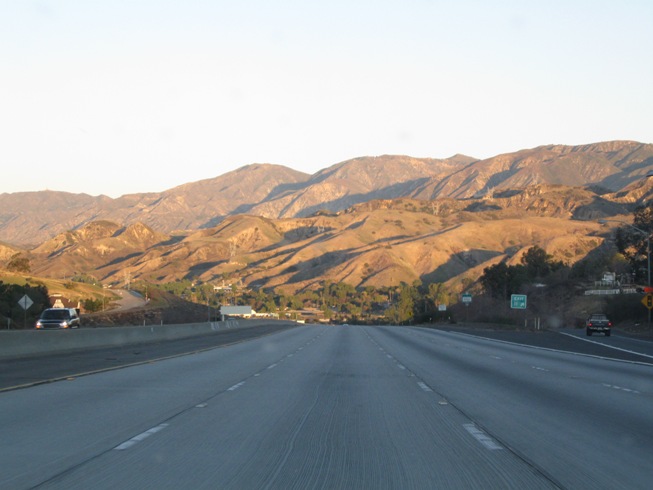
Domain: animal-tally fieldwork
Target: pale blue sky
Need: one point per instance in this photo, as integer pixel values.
(116, 97)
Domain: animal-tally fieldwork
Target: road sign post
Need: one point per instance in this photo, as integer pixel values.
(25, 302)
(467, 300)
(518, 301)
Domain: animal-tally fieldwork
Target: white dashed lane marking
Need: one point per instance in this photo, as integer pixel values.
(140, 437)
(424, 386)
(236, 386)
(482, 437)
(621, 388)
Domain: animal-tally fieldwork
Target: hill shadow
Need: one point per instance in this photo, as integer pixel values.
(600, 208)
(119, 260)
(459, 263)
(202, 267)
(277, 192)
(480, 206)
(170, 241)
(395, 191)
(403, 239)
(315, 267)
(306, 232)
(623, 179)
(213, 222)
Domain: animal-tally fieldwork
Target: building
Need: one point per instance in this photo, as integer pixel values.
(58, 301)
(237, 312)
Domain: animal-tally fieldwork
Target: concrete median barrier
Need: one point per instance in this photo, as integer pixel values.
(29, 343)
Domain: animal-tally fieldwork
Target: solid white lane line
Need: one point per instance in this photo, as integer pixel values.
(140, 437)
(477, 337)
(606, 345)
(482, 437)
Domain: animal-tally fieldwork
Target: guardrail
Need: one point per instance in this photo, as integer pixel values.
(26, 343)
(591, 292)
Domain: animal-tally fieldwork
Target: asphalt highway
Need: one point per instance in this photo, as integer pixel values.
(340, 407)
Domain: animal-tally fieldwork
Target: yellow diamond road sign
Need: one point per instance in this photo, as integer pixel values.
(647, 301)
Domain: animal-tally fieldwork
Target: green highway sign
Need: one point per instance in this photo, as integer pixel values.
(518, 301)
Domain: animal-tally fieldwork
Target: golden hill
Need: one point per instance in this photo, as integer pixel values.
(380, 243)
(274, 191)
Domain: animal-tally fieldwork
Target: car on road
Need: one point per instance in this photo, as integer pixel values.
(58, 318)
(598, 322)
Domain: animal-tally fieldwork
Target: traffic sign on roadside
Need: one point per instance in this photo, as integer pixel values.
(467, 298)
(25, 302)
(647, 300)
(518, 301)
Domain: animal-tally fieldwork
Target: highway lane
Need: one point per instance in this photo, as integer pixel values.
(314, 407)
(585, 421)
(51, 427)
(617, 346)
(338, 407)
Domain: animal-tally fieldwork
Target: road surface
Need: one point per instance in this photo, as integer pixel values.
(339, 407)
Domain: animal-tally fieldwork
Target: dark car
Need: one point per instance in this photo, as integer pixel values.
(598, 322)
(58, 318)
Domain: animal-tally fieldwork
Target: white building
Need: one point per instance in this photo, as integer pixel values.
(237, 312)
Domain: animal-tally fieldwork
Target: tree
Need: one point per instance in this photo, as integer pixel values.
(91, 305)
(538, 263)
(631, 241)
(326, 311)
(438, 294)
(406, 303)
(501, 280)
(270, 306)
(643, 217)
(10, 309)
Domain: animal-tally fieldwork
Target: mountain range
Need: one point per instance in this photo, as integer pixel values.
(368, 221)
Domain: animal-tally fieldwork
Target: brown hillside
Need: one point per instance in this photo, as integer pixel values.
(274, 191)
(375, 243)
(89, 250)
(612, 165)
(361, 179)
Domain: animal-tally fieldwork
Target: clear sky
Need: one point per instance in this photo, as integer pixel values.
(123, 96)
